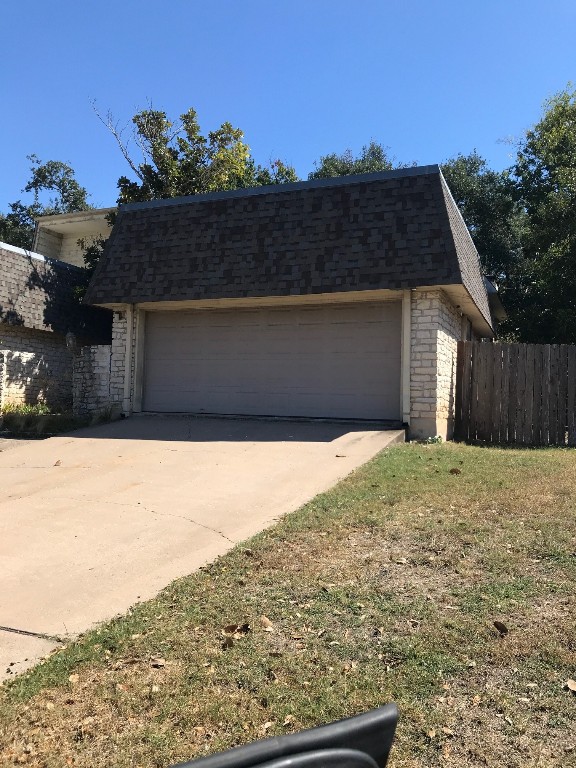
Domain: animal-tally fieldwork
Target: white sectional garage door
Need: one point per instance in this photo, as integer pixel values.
(334, 361)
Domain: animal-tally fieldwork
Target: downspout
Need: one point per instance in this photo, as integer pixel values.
(405, 355)
(126, 402)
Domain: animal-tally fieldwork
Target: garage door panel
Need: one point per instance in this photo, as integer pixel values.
(337, 361)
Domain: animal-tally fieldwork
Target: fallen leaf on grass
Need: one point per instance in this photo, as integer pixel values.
(502, 628)
(571, 685)
(267, 624)
(74, 678)
(288, 719)
(236, 630)
(455, 471)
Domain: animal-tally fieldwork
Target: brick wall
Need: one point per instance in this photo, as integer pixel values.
(48, 243)
(35, 366)
(435, 331)
(71, 252)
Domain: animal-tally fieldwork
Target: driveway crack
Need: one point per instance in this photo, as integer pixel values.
(39, 635)
(188, 520)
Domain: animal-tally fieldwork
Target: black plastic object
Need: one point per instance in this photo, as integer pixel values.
(363, 741)
(323, 758)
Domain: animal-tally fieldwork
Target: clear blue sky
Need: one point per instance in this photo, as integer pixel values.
(302, 78)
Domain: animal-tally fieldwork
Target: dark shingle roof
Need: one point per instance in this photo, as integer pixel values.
(395, 230)
(41, 293)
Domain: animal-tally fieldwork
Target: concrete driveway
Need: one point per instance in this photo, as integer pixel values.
(94, 521)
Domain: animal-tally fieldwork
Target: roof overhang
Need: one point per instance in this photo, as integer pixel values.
(79, 224)
(467, 306)
(458, 295)
(310, 299)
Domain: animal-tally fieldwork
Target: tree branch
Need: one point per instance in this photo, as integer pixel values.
(113, 128)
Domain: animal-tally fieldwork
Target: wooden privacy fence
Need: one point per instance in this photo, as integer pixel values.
(516, 393)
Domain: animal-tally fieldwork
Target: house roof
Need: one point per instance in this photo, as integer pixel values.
(392, 230)
(39, 293)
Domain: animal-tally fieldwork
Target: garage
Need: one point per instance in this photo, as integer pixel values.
(330, 361)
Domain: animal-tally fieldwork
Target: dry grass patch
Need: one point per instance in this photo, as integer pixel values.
(385, 588)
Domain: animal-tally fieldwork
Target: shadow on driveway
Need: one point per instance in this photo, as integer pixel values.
(186, 427)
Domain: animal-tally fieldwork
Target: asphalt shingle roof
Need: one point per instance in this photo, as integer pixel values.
(41, 293)
(395, 230)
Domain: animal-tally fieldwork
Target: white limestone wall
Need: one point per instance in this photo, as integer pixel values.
(435, 331)
(35, 367)
(91, 381)
(100, 371)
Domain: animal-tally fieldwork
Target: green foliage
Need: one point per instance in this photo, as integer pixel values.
(497, 221)
(57, 177)
(373, 157)
(545, 174)
(178, 160)
(26, 409)
(17, 226)
(488, 202)
(37, 420)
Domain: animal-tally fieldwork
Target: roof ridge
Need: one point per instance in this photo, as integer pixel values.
(271, 189)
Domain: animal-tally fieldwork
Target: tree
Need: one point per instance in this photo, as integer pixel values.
(17, 227)
(497, 222)
(545, 175)
(494, 217)
(373, 157)
(176, 159)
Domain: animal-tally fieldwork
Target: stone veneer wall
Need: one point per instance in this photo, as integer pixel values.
(118, 357)
(99, 373)
(435, 331)
(91, 380)
(35, 367)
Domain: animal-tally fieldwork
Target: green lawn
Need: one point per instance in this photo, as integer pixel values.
(385, 588)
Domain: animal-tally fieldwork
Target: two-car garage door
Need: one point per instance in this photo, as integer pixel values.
(332, 361)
